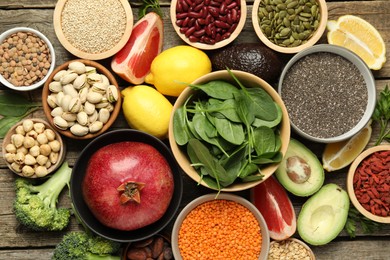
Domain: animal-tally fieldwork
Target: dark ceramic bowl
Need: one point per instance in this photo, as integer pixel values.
(79, 171)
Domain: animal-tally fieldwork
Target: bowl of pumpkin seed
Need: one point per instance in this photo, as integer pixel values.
(289, 26)
(229, 130)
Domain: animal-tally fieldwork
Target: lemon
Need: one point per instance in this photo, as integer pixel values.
(174, 67)
(147, 110)
(359, 36)
(339, 155)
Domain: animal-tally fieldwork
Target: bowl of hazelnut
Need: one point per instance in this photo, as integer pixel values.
(33, 149)
(27, 58)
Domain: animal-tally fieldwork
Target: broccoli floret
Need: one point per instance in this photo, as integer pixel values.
(85, 246)
(35, 206)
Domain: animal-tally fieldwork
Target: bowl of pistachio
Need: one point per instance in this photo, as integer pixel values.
(81, 99)
(289, 26)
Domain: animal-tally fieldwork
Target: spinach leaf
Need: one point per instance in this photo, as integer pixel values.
(264, 140)
(226, 108)
(266, 159)
(180, 127)
(264, 105)
(249, 169)
(261, 122)
(217, 89)
(253, 177)
(231, 132)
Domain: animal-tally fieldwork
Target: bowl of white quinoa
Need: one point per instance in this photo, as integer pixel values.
(93, 29)
(329, 93)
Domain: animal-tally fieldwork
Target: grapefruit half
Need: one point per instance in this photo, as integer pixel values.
(132, 62)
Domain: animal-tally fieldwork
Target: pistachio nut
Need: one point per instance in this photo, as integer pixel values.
(90, 69)
(28, 171)
(77, 67)
(52, 100)
(82, 118)
(17, 140)
(99, 87)
(55, 146)
(68, 78)
(95, 127)
(28, 125)
(92, 118)
(65, 102)
(105, 80)
(80, 82)
(59, 75)
(112, 93)
(94, 77)
(75, 105)
(59, 97)
(94, 97)
(70, 90)
(39, 127)
(79, 130)
(41, 171)
(104, 115)
(110, 107)
(34, 151)
(55, 86)
(83, 93)
(45, 149)
(58, 111)
(69, 116)
(89, 108)
(60, 123)
(10, 148)
(102, 104)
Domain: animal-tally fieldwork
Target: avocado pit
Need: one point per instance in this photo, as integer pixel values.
(298, 170)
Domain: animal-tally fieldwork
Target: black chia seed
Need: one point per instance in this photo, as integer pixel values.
(325, 95)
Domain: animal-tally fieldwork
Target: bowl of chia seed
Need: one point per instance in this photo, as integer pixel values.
(329, 93)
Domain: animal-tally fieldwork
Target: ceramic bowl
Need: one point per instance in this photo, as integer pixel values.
(316, 35)
(203, 22)
(284, 244)
(353, 181)
(79, 48)
(46, 92)
(79, 171)
(322, 100)
(38, 84)
(248, 80)
(265, 242)
(8, 140)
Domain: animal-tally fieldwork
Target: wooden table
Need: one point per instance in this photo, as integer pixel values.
(16, 242)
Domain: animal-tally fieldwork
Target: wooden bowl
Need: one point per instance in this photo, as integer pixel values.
(248, 80)
(84, 54)
(100, 69)
(61, 153)
(350, 183)
(291, 239)
(311, 41)
(205, 46)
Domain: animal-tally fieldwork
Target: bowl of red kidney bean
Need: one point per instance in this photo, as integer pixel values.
(208, 24)
(289, 26)
(368, 183)
(26, 58)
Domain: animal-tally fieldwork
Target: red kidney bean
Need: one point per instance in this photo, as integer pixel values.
(190, 31)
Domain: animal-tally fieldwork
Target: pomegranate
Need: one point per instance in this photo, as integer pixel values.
(128, 185)
(133, 61)
(272, 200)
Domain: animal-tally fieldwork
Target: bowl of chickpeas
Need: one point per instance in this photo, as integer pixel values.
(33, 149)
(220, 225)
(27, 58)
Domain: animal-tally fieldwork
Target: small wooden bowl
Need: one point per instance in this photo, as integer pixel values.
(248, 80)
(57, 21)
(217, 45)
(350, 188)
(291, 239)
(61, 155)
(100, 69)
(311, 41)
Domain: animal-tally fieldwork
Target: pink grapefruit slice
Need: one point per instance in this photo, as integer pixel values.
(132, 62)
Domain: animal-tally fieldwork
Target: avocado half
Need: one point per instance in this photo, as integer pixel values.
(323, 215)
(300, 171)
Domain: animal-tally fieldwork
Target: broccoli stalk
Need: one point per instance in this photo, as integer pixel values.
(85, 246)
(35, 206)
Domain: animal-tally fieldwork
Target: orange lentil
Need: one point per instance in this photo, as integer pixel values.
(220, 229)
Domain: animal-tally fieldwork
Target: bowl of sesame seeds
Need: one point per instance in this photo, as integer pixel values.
(27, 58)
(329, 93)
(93, 29)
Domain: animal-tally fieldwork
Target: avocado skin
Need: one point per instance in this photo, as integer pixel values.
(254, 58)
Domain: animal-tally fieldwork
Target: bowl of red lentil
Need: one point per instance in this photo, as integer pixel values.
(27, 58)
(289, 26)
(208, 25)
(329, 93)
(93, 29)
(291, 248)
(220, 226)
(368, 183)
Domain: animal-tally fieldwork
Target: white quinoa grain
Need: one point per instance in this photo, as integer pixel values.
(93, 26)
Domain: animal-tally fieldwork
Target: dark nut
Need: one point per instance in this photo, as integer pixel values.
(157, 247)
(136, 254)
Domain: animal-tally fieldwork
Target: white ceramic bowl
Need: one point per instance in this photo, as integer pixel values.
(222, 196)
(9, 32)
(365, 72)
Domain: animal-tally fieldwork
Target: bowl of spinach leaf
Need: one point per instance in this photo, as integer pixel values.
(229, 130)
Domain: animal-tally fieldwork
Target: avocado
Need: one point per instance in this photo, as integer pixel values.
(323, 215)
(254, 58)
(300, 171)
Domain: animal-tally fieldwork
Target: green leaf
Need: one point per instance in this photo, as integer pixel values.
(231, 132)
(180, 130)
(226, 108)
(264, 140)
(264, 105)
(154, 5)
(248, 170)
(15, 105)
(261, 122)
(253, 177)
(245, 109)
(217, 89)
(6, 123)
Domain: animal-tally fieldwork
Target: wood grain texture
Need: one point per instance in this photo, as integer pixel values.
(19, 243)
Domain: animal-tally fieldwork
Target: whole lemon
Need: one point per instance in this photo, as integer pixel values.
(147, 110)
(174, 67)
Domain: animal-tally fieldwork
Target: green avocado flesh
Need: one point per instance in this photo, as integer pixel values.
(300, 171)
(323, 216)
